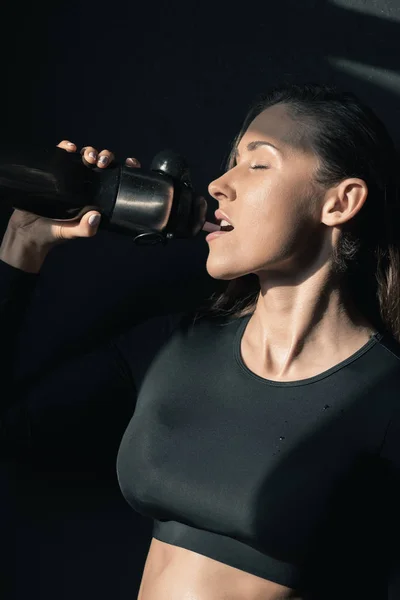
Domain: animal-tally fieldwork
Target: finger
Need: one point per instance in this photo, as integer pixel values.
(87, 227)
(132, 162)
(105, 158)
(67, 145)
(89, 155)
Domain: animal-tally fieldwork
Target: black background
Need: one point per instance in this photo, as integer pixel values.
(136, 78)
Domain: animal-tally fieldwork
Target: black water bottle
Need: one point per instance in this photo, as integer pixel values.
(151, 206)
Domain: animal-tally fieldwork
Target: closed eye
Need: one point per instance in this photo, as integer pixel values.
(259, 167)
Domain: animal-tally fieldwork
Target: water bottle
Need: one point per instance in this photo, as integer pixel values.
(151, 206)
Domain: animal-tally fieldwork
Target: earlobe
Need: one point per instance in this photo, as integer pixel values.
(344, 201)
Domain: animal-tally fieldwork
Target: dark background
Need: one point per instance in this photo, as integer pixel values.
(135, 78)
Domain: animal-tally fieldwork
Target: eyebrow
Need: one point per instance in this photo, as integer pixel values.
(256, 144)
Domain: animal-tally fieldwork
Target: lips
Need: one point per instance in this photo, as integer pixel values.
(225, 225)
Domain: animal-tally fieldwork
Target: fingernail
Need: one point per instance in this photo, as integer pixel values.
(133, 161)
(94, 220)
(93, 155)
(103, 160)
(70, 144)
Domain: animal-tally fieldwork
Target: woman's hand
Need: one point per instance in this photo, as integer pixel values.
(50, 232)
(28, 237)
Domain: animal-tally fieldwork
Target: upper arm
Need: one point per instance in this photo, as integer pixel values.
(82, 405)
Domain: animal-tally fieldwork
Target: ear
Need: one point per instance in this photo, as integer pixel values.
(343, 202)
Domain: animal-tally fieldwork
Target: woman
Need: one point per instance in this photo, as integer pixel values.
(263, 443)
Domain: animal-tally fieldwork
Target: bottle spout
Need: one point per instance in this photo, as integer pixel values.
(210, 227)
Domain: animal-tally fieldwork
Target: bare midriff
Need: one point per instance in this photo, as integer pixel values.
(175, 573)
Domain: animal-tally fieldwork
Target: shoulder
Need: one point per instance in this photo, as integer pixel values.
(177, 334)
(391, 347)
(196, 323)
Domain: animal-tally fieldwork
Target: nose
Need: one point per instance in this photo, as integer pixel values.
(219, 188)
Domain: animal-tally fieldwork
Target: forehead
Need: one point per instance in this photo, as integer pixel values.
(274, 124)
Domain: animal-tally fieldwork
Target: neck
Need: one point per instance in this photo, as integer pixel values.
(298, 322)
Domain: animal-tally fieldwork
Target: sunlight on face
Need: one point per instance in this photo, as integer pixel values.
(270, 200)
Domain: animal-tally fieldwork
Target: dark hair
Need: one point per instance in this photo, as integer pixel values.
(350, 141)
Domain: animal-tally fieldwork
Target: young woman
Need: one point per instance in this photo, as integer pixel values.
(265, 440)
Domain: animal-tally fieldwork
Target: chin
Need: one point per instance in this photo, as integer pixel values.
(224, 270)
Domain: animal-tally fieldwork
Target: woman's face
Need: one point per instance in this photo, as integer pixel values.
(270, 199)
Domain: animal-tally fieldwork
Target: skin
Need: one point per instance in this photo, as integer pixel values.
(286, 227)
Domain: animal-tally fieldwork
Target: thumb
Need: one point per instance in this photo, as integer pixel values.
(89, 223)
(87, 226)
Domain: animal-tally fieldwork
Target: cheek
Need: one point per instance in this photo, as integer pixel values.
(273, 226)
(272, 215)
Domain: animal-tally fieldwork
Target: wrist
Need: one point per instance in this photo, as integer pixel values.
(21, 252)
